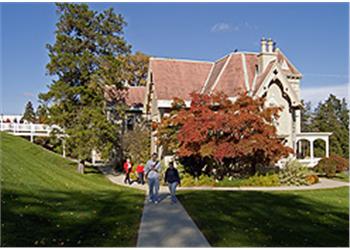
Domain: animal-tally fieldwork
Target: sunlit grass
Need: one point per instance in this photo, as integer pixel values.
(316, 218)
(46, 203)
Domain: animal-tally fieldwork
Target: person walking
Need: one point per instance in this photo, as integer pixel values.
(127, 169)
(140, 169)
(173, 179)
(152, 171)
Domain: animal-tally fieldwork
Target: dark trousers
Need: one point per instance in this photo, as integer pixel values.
(141, 179)
(127, 178)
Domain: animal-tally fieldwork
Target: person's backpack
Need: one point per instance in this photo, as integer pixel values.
(155, 164)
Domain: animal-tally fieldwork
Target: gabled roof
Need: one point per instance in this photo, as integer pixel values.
(263, 75)
(178, 78)
(234, 73)
(291, 69)
(232, 81)
(136, 95)
(131, 95)
(214, 74)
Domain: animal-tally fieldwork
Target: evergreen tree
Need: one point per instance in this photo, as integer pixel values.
(306, 116)
(137, 69)
(84, 60)
(42, 114)
(332, 116)
(29, 114)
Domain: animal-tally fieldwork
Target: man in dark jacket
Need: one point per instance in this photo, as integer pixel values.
(173, 179)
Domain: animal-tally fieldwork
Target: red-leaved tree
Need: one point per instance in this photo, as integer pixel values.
(219, 134)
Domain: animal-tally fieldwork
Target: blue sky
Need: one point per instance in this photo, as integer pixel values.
(314, 36)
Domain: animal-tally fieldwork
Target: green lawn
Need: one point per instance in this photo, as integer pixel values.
(344, 176)
(46, 203)
(274, 219)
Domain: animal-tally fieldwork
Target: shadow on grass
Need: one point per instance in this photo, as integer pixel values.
(257, 219)
(104, 218)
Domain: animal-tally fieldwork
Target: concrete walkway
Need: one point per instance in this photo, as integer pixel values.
(168, 225)
(322, 184)
(164, 224)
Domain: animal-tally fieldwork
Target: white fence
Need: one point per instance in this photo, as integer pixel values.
(30, 129)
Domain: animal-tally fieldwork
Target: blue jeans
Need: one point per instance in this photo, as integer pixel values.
(172, 189)
(153, 184)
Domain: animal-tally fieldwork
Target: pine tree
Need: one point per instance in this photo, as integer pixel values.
(137, 69)
(83, 61)
(332, 116)
(29, 114)
(42, 114)
(306, 116)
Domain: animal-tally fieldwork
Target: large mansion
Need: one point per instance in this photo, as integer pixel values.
(266, 73)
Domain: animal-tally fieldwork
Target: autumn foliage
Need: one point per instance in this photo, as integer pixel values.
(215, 129)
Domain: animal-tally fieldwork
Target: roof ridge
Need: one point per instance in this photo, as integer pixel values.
(207, 80)
(288, 61)
(182, 60)
(221, 72)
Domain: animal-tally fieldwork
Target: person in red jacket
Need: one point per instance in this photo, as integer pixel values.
(140, 169)
(127, 170)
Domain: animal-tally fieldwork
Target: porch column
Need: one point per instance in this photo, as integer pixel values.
(327, 147)
(299, 149)
(64, 148)
(311, 150)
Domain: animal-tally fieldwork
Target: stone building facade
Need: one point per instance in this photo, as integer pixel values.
(267, 73)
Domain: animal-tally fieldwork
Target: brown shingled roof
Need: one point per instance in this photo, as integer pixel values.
(136, 95)
(178, 78)
(252, 63)
(263, 75)
(131, 96)
(218, 66)
(232, 80)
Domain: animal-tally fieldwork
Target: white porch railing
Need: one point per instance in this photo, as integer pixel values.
(30, 129)
(311, 137)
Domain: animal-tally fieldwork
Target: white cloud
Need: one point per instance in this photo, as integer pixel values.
(317, 94)
(223, 27)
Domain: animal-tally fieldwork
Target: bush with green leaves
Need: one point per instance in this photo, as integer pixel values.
(270, 180)
(326, 167)
(294, 174)
(188, 180)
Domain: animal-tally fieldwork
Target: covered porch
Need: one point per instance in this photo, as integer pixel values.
(305, 147)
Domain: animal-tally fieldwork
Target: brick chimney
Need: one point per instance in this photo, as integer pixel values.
(267, 53)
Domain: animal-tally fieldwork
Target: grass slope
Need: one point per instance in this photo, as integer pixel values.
(46, 203)
(256, 219)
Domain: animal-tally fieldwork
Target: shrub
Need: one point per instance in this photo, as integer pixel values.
(327, 167)
(294, 174)
(188, 180)
(341, 164)
(262, 181)
(312, 179)
(229, 182)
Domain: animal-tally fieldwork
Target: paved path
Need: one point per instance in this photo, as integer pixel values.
(164, 224)
(323, 184)
(168, 225)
